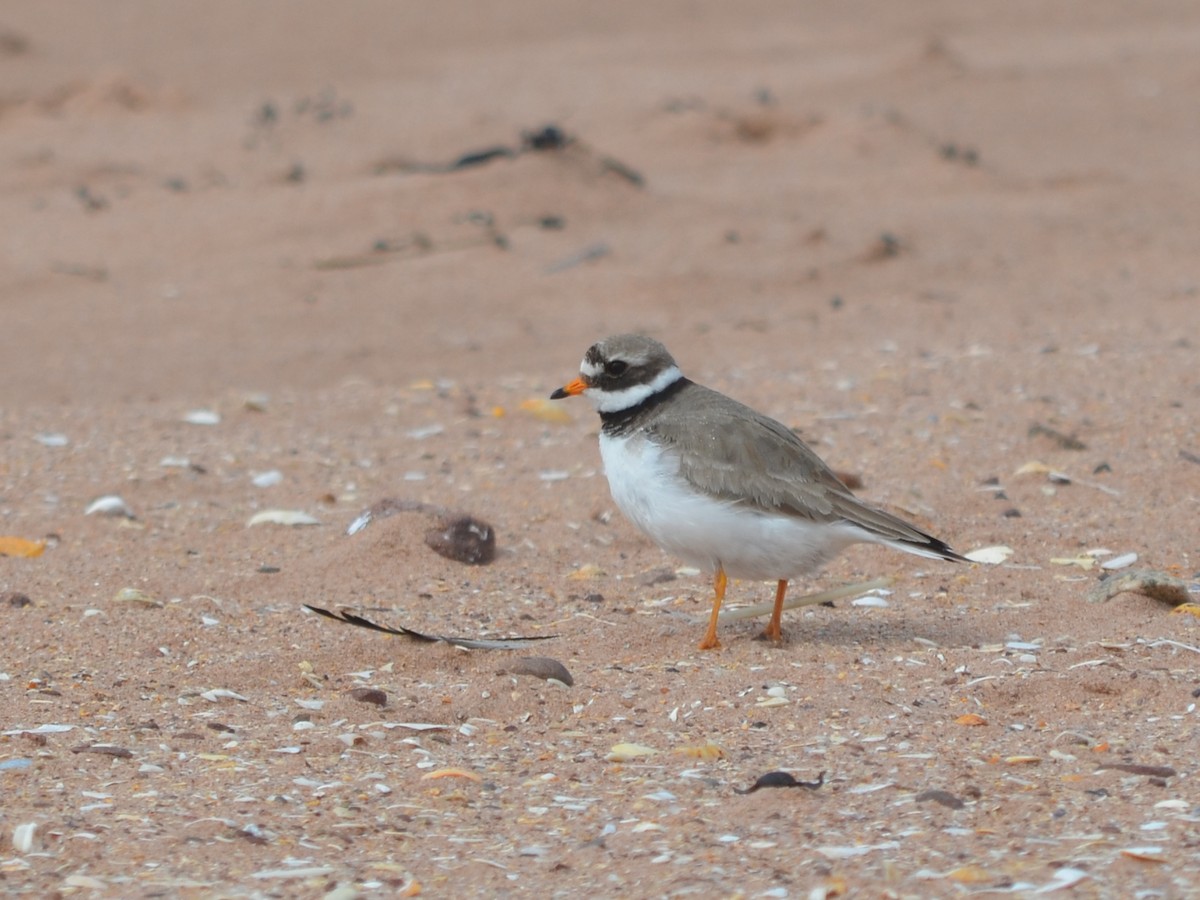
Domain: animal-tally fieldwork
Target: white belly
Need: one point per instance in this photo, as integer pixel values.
(705, 532)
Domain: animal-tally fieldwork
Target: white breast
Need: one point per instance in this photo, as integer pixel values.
(706, 532)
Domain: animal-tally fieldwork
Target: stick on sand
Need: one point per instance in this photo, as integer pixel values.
(846, 590)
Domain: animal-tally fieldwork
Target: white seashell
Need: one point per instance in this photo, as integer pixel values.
(427, 431)
(282, 517)
(1063, 878)
(1120, 562)
(1031, 646)
(1172, 804)
(47, 728)
(660, 796)
(849, 852)
(870, 788)
(109, 505)
(267, 479)
(870, 601)
(202, 417)
(218, 694)
(22, 839)
(767, 702)
(134, 595)
(292, 874)
(991, 556)
(52, 439)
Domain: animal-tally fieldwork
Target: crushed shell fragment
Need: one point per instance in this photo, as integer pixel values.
(706, 751)
(625, 752)
(450, 773)
(282, 517)
(546, 411)
(133, 595)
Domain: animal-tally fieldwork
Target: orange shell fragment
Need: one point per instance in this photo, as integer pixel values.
(450, 773)
(706, 751)
(15, 546)
(970, 719)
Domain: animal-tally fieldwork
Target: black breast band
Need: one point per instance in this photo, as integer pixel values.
(623, 421)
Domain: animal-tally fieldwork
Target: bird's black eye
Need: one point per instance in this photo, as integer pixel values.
(616, 367)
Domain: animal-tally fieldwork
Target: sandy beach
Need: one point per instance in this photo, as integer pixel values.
(265, 268)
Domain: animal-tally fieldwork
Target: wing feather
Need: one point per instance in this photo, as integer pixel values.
(735, 454)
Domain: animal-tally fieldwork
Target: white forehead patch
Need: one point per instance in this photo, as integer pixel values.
(590, 370)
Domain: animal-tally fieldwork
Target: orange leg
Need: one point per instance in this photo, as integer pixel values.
(710, 641)
(774, 629)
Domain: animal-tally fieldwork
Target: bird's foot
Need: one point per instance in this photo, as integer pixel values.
(775, 635)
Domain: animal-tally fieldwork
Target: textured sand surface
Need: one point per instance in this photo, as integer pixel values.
(912, 231)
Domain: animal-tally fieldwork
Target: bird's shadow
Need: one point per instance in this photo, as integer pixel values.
(897, 628)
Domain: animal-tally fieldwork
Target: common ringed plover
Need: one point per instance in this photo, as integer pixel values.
(719, 485)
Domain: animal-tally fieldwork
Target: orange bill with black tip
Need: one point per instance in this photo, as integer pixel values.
(578, 386)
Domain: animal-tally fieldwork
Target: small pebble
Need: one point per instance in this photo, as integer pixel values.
(368, 695)
(1139, 769)
(780, 779)
(104, 750)
(464, 539)
(542, 667)
(945, 798)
